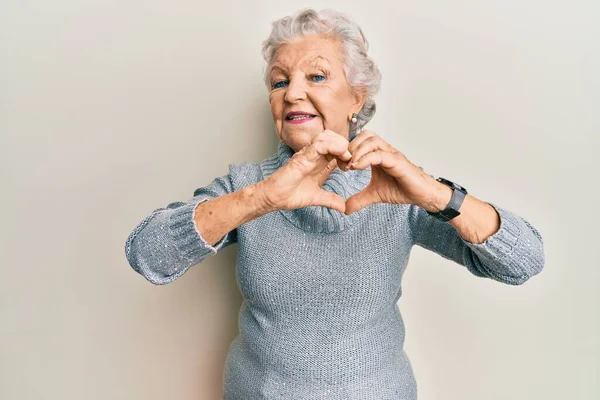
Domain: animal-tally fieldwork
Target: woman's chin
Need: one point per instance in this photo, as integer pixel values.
(298, 136)
(297, 140)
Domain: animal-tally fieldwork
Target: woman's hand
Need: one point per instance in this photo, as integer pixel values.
(298, 183)
(394, 179)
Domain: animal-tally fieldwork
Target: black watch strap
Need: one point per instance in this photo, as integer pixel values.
(451, 210)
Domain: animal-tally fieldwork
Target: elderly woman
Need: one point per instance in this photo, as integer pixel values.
(324, 228)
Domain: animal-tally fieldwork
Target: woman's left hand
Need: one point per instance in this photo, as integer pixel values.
(394, 179)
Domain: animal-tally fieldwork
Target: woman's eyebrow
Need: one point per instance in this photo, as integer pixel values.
(274, 70)
(277, 68)
(315, 62)
(311, 61)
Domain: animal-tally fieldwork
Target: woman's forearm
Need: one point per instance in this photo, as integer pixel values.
(216, 217)
(477, 220)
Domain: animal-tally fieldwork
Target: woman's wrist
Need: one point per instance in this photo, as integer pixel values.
(477, 221)
(260, 194)
(440, 197)
(443, 197)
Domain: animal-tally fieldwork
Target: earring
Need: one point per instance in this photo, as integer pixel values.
(354, 115)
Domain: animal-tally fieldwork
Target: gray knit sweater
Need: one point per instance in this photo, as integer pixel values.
(320, 318)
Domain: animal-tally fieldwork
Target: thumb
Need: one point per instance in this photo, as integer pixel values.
(359, 201)
(331, 200)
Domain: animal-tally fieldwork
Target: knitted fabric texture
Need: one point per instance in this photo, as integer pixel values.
(319, 318)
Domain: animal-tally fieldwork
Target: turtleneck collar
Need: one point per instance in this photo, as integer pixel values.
(320, 219)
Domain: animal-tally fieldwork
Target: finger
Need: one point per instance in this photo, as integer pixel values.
(326, 146)
(331, 134)
(335, 137)
(358, 139)
(377, 157)
(333, 147)
(368, 145)
(360, 200)
(343, 165)
(331, 200)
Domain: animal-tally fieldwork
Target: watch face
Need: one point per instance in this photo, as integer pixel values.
(452, 184)
(444, 181)
(462, 189)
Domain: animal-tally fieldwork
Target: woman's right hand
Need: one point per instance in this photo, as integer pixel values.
(298, 183)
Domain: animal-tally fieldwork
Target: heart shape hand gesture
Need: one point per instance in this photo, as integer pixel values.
(394, 179)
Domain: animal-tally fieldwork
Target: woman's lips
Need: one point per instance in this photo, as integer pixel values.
(303, 119)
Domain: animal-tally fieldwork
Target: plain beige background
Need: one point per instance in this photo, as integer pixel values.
(110, 109)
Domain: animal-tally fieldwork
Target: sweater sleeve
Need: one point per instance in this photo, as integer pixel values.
(167, 242)
(512, 255)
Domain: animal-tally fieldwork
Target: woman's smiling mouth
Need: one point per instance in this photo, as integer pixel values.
(298, 117)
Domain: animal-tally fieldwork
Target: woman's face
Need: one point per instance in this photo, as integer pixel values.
(307, 76)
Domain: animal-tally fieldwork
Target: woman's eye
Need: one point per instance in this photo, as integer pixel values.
(316, 78)
(277, 85)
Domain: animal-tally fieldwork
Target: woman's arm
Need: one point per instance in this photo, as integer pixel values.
(489, 240)
(170, 240)
(477, 221)
(216, 217)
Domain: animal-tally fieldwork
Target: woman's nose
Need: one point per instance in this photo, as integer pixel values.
(295, 91)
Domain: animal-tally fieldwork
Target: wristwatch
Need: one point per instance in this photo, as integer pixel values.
(451, 210)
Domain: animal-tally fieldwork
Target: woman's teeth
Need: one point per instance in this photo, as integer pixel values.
(301, 117)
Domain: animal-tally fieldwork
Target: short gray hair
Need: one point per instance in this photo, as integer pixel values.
(361, 72)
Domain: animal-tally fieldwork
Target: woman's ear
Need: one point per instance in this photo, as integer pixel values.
(360, 97)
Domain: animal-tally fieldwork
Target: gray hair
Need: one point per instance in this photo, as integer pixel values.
(361, 72)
